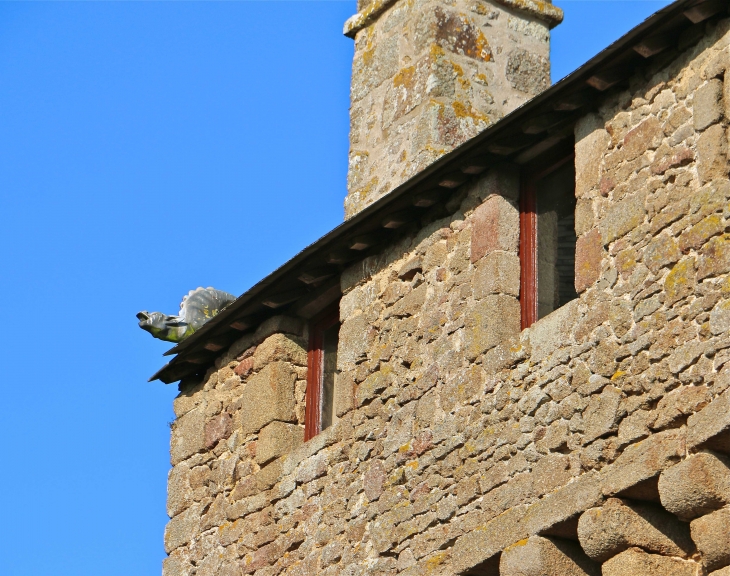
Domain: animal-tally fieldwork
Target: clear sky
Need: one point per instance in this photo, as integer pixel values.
(147, 149)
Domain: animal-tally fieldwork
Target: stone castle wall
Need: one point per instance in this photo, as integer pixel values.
(594, 440)
(430, 74)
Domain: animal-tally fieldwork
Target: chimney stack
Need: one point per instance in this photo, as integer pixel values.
(430, 74)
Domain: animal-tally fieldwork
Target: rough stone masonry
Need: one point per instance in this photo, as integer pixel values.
(430, 74)
(594, 442)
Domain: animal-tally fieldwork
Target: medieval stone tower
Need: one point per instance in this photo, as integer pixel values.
(430, 74)
(513, 357)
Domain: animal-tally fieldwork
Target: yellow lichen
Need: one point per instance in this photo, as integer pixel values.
(461, 111)
(436, 560)
(725, 286)
(679, 278)
(517, 544)
(405, 77)
(436, 51)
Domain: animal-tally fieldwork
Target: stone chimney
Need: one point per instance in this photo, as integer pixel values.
(430, 74)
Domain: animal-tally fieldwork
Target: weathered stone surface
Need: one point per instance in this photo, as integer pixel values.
(374, 480)
(488, 539)
(603, 414)
(538, 556)
(582, 493)
(529, 73)
(493, 319)
(179, 492)
(245, 367)
(495, 226)
(280, 347)
(460, 438)
(707, 105)
(680, 281)
(591, 142)
(373, 384)
(712, 153)
(618, 525)
(644, 460)
(622, 217)
(268, 396)
(696, 486)
(584, 216)
(554, 330)
(696, 236)
(356, 335)
(674, 159)
(680, 403)
(709, 422)
(715, 257)
(661, 251)
(588, 255)
(720, 317)
(188, 436)
(646, 136)
(277, 439)
(635, 562)
(177, 564)
(497, 273)
(721, 572)
(502, 180)
(217, 428)
(412, 101)
(182, 528)
(711, 534)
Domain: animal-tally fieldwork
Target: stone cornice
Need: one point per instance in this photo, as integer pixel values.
(542, 10)
(363, 19)
(537, 8)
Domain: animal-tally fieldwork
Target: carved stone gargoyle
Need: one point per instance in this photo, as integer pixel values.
(199, 306)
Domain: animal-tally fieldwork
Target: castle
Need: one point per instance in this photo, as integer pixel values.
(512, 358)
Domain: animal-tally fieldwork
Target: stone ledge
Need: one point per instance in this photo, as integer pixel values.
(641, 461)
(645, 459)
(542, 10)
(363, 19)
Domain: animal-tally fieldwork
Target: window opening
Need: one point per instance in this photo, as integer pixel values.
(547, 240)
(321, 369)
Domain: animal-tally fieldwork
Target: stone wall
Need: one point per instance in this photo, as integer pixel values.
(595, 440)
(430, 74)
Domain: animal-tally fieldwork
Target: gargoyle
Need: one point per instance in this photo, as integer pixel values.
(199, 306)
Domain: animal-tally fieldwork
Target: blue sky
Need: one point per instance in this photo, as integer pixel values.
(146, 149)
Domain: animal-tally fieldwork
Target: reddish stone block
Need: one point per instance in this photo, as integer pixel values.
(374, 480)
(606, 185)
(673, 160)
(217, 428)
(646, 136)
(244, 367)
(495, 226)
(588, 254)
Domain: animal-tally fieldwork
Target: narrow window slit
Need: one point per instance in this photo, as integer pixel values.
(548, 240)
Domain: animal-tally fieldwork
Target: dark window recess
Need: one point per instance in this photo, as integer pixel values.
(321, 369)
(548, 241)
(329, 367)
(556, 240)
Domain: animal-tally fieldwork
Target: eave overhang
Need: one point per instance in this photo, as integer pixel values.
(527, 132)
